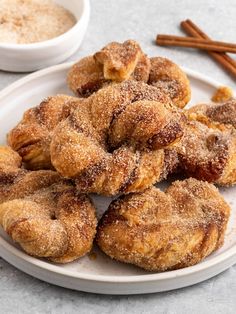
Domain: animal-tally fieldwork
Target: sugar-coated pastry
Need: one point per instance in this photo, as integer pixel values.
(32, 136)
(207, 149)
(117, 62)
(114, 63)
(161, 231)
(44, 213)
(208, 154)
(215, 115)
(168, 76)
(122, 61)
(114, 141)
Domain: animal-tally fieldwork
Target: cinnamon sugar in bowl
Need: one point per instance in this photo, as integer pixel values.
(38, 33)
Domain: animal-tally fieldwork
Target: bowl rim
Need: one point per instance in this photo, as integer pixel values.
(55, 40)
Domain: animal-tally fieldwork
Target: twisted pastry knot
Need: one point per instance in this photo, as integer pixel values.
(44, 213)
(32, 136)
(163, 231)
(113, 142)
(207, 149)
(117, 62)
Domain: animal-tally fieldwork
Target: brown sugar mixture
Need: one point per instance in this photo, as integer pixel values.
(30, 21)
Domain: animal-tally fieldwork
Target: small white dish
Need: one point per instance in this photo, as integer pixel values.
(31, 57)
(104, 275)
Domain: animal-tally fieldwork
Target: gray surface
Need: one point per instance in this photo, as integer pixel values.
(141, 20)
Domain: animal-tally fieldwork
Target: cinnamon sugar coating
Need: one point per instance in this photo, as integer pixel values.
(114, 141)
(215, 115)
(206, 153)
(117, 62)
(161, 231)
(114, 63)
(44, 213)
(168, 76)
(207, 149)
(32, 136)
(86, 77)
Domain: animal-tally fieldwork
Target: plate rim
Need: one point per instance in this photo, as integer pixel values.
(43, 265)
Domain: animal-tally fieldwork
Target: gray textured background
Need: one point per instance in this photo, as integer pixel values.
(141, 20)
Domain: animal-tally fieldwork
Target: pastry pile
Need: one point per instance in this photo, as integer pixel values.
(124, 130)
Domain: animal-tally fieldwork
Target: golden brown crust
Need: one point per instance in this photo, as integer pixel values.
(137, 126)
(215, 115)
(207, 149)
(162, 231)
(113, 63)
(86, 77)
(223, 113)
(203, 152)
(166, 75)
(43, 212)
(14, 160)
(104, 150)
(142, 69)
(171, 163)
(117, 62)
(32, 136)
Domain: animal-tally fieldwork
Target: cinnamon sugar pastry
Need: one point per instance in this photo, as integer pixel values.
(32, 136)
(44, 213)
(215, 115)
(207, 149)
(168, 76)
(208, 154)
(122, 61)
(117, 62)
(163, 231)
(113, 141)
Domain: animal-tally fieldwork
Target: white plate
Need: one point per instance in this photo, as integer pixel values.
(104, 275)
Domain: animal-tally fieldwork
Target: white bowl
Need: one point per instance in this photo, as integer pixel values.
(31, 57)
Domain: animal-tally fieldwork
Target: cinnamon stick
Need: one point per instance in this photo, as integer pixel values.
(221, 58)
(205, 44)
